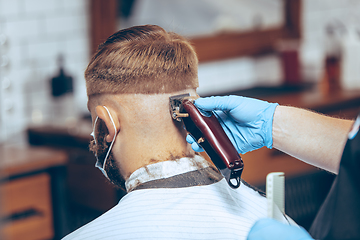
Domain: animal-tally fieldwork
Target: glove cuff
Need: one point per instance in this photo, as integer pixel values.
(268, 125)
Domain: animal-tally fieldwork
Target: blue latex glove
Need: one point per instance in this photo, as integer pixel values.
(248, 121)
(270, 229)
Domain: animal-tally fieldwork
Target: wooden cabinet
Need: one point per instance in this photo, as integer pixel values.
(259, 163)
(26, 208)
(26, 193)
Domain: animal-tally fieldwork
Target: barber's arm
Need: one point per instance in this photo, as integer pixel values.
(251, 124)
(313, 138)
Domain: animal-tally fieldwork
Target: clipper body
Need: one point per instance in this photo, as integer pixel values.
(209, 134)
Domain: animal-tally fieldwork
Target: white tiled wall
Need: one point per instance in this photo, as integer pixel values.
(317, 14)
(36, 32)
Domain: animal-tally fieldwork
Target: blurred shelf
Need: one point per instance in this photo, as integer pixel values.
(307, 96)
(18, 161)
(268, 91)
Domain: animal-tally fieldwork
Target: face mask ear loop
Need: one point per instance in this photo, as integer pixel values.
(112, 142)
(93, 132)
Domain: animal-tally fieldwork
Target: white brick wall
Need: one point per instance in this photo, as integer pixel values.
(37, 31)
(318, 13)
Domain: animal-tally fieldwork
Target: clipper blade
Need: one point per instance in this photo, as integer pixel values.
(175, 106)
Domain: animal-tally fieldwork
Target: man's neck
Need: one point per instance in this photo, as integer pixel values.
(141, 151)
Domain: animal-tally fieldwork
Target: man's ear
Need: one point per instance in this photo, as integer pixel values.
(103, 114)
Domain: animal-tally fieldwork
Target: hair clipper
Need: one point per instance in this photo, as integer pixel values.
(206, 130)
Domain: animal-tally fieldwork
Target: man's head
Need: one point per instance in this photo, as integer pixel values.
(142, 59)
(133, 74)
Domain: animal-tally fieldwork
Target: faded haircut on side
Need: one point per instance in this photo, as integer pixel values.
(142, 59)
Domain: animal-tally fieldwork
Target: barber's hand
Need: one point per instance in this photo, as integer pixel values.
(270, 229)
(248, 121)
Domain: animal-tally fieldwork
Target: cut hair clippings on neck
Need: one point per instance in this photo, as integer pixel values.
(205, 128)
